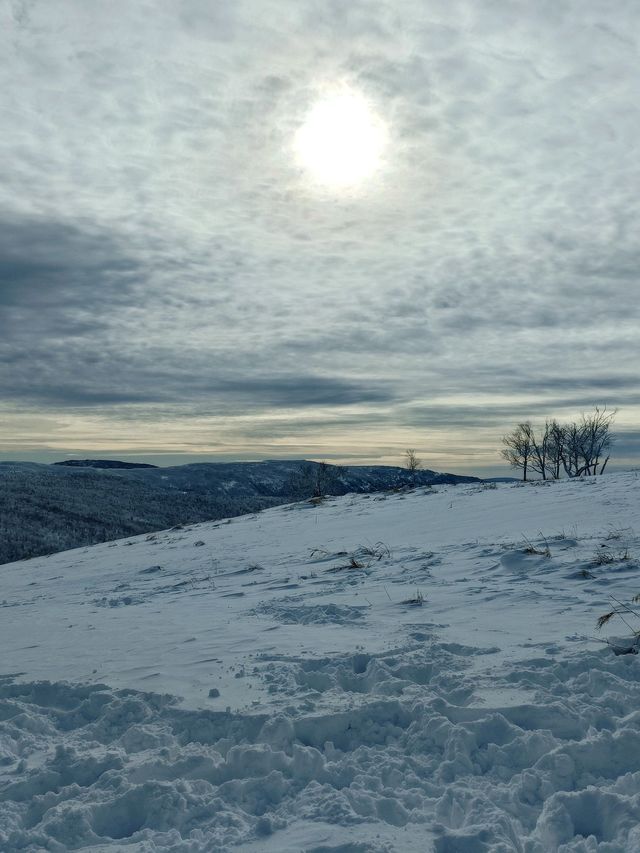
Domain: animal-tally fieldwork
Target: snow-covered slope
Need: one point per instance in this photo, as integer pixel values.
(321, 709)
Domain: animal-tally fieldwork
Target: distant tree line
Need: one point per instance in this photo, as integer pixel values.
(576, 449)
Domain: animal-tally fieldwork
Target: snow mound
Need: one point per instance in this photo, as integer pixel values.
(295, 613)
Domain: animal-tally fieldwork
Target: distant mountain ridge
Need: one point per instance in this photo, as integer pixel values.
(50, 508)
(274, 478)
(281, 478)
(103, 463)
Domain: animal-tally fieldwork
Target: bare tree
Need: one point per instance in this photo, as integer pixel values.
(586, 441)
(556, 449)
(518, 447)
(315, 479)
(578, 448)
(595, 439)
(571, 450)
(324, 476)
(540, 449)
(411, 461)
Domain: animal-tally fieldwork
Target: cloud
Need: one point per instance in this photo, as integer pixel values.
(70, 305)
(160, 248)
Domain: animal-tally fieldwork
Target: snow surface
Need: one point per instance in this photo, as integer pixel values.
(319, 712)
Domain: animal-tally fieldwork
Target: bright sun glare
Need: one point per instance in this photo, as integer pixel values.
(341, 141)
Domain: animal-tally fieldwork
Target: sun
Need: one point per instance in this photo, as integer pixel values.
(342, 140)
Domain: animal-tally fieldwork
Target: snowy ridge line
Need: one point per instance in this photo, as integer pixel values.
(324, 706)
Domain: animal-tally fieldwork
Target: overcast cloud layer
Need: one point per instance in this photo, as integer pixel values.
(171, 282)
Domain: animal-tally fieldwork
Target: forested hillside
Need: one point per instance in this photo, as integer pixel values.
(49, 508)
(45, 509)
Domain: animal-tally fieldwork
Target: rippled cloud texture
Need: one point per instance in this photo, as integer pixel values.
(170, 282)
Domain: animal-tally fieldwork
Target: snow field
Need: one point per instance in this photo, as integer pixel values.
(484, 719)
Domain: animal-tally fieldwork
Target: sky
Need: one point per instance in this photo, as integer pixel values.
(176, 284)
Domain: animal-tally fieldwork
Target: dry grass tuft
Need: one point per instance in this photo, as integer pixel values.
(539, 552)
(602, 621)
(362, 558)
(416, 600)
(353, 563)
(624, 612)
(605, 557)
(375, 552)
